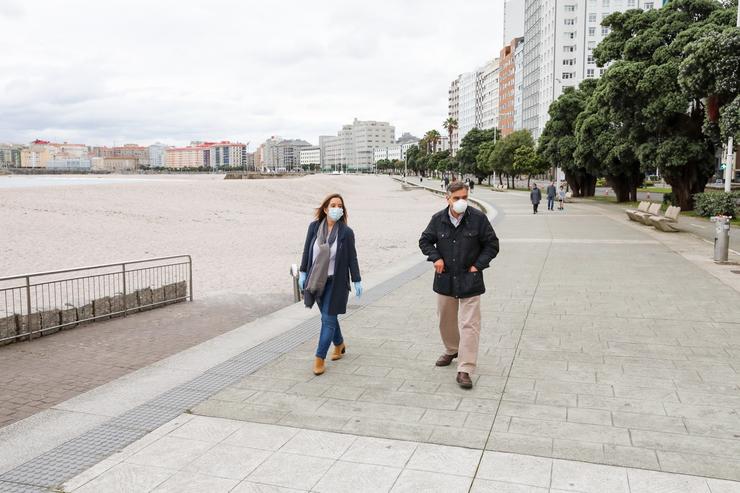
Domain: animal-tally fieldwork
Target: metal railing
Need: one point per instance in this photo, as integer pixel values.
(46, 302)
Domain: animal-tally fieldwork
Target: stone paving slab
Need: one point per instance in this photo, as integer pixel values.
(199, 453)
(606, 348)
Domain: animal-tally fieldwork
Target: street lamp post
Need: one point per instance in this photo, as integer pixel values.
(730, 164)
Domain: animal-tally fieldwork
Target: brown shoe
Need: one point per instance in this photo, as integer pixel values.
(445, 359)
(338, 352)
(463, 380)
(318, 366)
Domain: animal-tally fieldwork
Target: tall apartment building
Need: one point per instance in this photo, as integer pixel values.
(518, 83)
(468, 99)
(507, 87)
(487, 96)
(127, 151)
(453, 110)
(513, 19)
(267, 153)
(353, 147)
(560, 36)
(157, 157)
(473, 100)
(10, 155)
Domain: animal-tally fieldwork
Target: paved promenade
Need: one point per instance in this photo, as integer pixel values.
(610, 362)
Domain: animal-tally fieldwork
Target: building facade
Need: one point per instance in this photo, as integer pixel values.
(518, 83)
(353, 148)
(453, 111)
(40, 153)
(184, 157)
(10, 155)
(115, 164)
(513, 19)
(310, 157)
(487, 95)
(507, 87)
(157, 157)
(287, 154)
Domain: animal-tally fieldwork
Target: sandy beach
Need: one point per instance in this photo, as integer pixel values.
(243, 234)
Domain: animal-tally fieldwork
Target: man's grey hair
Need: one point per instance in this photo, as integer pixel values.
(456, 186)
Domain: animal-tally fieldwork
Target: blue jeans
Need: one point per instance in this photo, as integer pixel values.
(330, 330)
(550, 203)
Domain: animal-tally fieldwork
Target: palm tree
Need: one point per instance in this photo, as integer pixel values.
(432, 138)
(450, 125)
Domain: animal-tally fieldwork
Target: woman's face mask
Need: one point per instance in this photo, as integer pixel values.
(335, 213)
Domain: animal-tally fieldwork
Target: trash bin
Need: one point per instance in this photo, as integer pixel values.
(721, 237)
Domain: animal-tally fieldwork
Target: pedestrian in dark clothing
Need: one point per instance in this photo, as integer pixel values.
(329, 262)
(535, 196)
(551, 194)
(472, 185)
(461, 242)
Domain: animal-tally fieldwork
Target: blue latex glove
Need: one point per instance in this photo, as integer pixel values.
(358, 289)
(301, 280)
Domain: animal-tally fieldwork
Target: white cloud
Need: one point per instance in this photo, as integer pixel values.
(136, 70)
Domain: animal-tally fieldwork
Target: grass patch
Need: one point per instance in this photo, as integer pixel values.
(654, 190)
(735, 221)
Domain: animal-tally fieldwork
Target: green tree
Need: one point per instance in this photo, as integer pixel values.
(501, 158)
(468, 153)
(652, 114)
(528, 162)
(710, 71)
(432, 139)
(557, 143)
(604, 149)
(450, 125)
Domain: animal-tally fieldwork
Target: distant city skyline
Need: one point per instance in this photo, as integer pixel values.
(172, 72)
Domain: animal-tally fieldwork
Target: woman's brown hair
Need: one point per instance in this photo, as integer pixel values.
(321, 215)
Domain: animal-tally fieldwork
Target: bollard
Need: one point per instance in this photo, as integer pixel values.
(294, 275)
(721, 237)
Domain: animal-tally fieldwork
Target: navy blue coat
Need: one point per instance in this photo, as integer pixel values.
(345, 264)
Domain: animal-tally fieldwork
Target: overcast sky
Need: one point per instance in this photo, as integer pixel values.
(113, 71)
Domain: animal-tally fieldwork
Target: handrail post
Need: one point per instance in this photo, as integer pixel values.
(190, 268)
(28, 307)
(125, 306)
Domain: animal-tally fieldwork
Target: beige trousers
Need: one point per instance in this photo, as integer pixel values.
(459, 326)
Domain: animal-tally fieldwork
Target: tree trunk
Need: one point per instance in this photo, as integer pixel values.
(581, 184)
(686, 181)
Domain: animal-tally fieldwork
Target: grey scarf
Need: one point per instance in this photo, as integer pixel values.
(320, 269)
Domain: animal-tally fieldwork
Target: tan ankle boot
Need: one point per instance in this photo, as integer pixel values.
(338, 352)
(318, 366)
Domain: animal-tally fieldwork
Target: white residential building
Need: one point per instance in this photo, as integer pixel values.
(398, 150)
(559, 38)
(487, 95)
(157, 158)
(468, 98)
(518, 84)
(453, 110)
(353, 147)
(310, 156)
(513, 19)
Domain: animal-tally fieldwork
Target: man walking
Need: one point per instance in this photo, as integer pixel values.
(551, 193)
(535, 196)
(461, 242)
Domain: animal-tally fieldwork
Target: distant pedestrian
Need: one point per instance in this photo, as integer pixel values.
(535, 196)
(461, 242)
(329, 261)
(561, 197)
(551, 193)
(472, 185)
(447, 181)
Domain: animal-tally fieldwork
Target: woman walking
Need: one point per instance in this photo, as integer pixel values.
(329, 260)
(561, 197)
